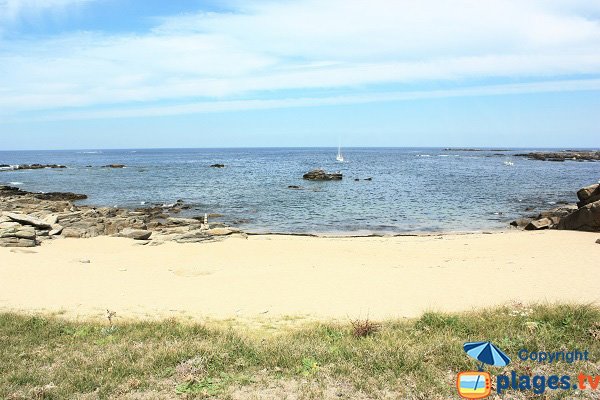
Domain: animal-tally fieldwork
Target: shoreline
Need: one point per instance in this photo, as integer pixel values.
(282, 277)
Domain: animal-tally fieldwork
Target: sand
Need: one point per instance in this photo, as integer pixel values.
(307, 277)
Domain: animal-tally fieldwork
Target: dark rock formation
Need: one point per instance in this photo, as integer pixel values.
(217, 166)
(588, 194)
(586, 218)
(563, 155)
(30, 166)
(320, 175)
(60, 196)
(114, 166)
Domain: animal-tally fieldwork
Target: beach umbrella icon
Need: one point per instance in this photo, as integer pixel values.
(486, 353)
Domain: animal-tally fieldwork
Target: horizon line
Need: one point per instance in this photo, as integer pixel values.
(450, 148)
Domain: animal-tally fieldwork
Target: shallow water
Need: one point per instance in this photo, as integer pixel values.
(412, 189)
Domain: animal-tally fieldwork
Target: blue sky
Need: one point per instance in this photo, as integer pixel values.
(191, 73)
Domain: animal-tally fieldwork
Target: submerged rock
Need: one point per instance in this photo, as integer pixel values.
(562, 155)
(5, 167)
(321, 175)
(61, 196)
(217, 166)
(114, 166)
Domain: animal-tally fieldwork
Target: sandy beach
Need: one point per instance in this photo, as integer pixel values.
(323, 278)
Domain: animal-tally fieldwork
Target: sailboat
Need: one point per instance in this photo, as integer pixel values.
(339, 156)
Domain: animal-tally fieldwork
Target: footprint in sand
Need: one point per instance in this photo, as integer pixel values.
(191, 273)
(23, 251)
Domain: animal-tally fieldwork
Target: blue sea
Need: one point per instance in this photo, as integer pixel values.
(412, 189)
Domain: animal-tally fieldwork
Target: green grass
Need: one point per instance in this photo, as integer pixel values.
(51, 358)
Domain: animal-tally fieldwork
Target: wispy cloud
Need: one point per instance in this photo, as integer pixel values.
(249, 104)
(253, 57)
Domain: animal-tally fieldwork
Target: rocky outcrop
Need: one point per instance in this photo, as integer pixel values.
(16, 235)
(58, 196)
(588, 194)
(585, 216)
(136, 234)
(217, 166)
(28, 219)
(562, 155)
(5, 167)
(321, 175)
(114, 166)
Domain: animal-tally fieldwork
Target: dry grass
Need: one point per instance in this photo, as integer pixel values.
(44, 357)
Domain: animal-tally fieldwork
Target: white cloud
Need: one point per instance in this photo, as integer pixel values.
(10, 10)
(243, 105)
(267, 48)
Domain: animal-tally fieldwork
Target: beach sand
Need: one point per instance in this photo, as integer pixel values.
(317, 278)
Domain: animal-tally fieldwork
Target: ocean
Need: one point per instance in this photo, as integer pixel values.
(412, 189)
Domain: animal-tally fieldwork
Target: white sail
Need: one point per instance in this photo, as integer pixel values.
(339, 156)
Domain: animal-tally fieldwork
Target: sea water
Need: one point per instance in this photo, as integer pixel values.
(411, 190)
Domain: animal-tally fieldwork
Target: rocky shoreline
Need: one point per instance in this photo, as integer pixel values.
(583, 216)
(28, 218)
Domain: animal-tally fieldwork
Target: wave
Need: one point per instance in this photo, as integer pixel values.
(15, 183)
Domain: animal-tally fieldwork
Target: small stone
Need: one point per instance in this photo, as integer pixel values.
(84, 261)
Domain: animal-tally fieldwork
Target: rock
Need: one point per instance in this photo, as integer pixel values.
(114, 166)
(19, 231)
(221, 231)
(320, 175)
(583, 155)
(295, 187)
(9, 224)
(56, 230)
(587, 218)
(217, 166)
(559, 212)
(598, 241)
(17, 242)
(538, 224)
(356, 179)
(73, 233)
(589, 200)
(28, 220)
(196, 236)
(51, 219)
(588, 191)
(32, 166)
(521, 222)
(135, 234)
(84, 261)
(368, 179)
(60, 196)
(6, 191)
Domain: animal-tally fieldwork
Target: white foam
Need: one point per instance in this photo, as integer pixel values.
(15, 183)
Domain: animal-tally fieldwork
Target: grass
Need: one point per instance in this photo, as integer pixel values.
(50, 358)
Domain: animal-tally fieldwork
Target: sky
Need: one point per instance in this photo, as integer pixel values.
(86, 74)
